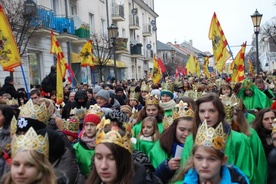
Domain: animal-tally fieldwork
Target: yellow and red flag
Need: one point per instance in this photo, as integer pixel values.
(9, 53)
(238, 65)
(205, 67)
(86, 54)
(61, 67)
(157, 74)
(219, 42)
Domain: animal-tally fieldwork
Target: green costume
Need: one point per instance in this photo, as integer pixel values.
(249, 118)
(84, 158)
(136, 129)
(258, 154)
(144, 146)
(258, 100)
(157, 155)
(238, 151)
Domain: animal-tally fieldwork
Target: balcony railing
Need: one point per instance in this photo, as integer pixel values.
(118, 12)
(136, 49)
(83, 31)
(64, 24)
(121, 45)
(134, 22)
(45, 18)
(147, 30)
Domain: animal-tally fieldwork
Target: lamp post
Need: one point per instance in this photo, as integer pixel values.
(29, 9)
(256, 20)
(113, 34)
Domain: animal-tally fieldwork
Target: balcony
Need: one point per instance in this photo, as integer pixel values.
(117, 12)
(136, 50)
(64, 25)
(121, 46)
(147, 30)
(83, 31)
(134, 22)
(148, 55)
(45, 19)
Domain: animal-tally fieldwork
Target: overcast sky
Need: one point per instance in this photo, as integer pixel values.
(181, 20)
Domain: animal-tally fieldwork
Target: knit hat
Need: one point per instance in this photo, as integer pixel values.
(104, 94)
(80, 94)
(97, 89)
(126, 109)
(8, 79)
(91, 118)
(119, 89)
(155, 92)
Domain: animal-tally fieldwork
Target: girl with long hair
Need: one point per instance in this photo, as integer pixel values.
(29, 162)
(211, 110)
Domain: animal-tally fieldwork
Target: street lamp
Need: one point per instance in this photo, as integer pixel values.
(113, 34)
(256, 20)
(29, 9)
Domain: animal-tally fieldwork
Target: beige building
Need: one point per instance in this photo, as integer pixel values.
(74, 22)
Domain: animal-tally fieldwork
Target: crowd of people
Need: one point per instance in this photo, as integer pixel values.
(187, 130)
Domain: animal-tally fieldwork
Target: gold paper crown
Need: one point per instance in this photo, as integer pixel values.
(145, 87)
(182, 109)
(113, 136)
(210, 137)
(13, 125)
(273, 126)
(194, 94)
(229, 104)
(247, 84)
(151, 100)
(34, 111)
(70, 125)
(179, 83)
(166, 86)
(30, 141)
(12, 102)
(133, 96)
(167, 121)
(80, 113)
(95, 109)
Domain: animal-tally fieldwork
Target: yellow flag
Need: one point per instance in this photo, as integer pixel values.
(197, 67)
(59, 87)
(9, 53)
(238, 65)
(205, 67)
(86, 54)
(219, 42)
(191, 65)
(157, 74)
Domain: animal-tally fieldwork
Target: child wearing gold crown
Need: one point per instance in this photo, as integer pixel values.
(152, 109)
(29, 160)
(167, 161)
(210, 108)
(208, 161)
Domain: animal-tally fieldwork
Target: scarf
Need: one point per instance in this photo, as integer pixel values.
(90, 142)
(167, 105)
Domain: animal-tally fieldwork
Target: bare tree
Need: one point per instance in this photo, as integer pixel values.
(21, 23)
(102, 50)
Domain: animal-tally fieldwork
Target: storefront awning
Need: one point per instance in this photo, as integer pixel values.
(75, 59)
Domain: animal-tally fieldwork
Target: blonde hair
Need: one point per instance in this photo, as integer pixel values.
(45, 175)
(156, 135)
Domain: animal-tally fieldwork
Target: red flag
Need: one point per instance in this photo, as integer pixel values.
(161, 65)
(182, 70)
(176, 75)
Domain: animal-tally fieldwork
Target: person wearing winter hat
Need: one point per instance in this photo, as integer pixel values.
(167, 102)
(120, 94)
(70, 128)
(85, 147)
(9, 88)
(127, 110)
(103, 98)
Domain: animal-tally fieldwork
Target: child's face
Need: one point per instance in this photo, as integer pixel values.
(225, 91)
(147, 129)
(133, 103)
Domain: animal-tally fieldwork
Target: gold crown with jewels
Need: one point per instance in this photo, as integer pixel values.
(95, 109)
(71, 124)
(30, 141)
(34, 111)
(182, 109)
(145, 87)
(167, 86)
(133, 96)
(80, 113)
(12, 102)
(114, 135)
(229, 104)
(151, 100)
(211, 137)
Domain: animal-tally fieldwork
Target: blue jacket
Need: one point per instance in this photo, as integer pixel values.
(230, 175)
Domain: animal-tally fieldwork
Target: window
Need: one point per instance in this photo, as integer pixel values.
(34, 66)
(73, 9)
(91, 23)
(123, 33)
(103, 27)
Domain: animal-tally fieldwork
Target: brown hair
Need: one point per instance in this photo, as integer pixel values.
(258, 122)
(168, 137)
(241, 125)
(124, 166)
(143, 114)
(156, 134)
(209, 97)
(190, 162)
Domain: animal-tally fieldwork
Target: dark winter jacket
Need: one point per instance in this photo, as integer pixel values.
(10, 89)
(271, 178)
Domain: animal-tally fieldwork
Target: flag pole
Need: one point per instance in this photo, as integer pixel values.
(25, 82)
